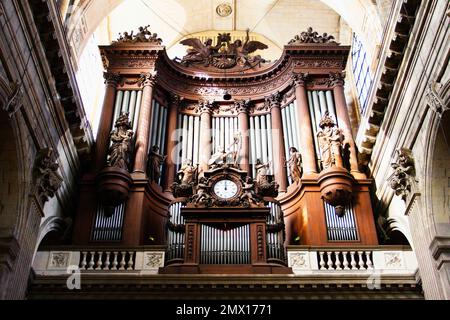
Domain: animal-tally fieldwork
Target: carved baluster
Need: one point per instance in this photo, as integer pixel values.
(122, 261)
(361, 261)
(99, 261)
(329, 262)
(344, 255)
(353, 261)
(369, 261)
(107, 263)
(322, 261)
(130, 261)
(114, 264)
(83, 261)
(91, 261)
(338, 262)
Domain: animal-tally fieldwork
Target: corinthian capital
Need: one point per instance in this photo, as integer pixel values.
(274, 100)
(299, 79)
(174, 98)
(242, 106)
(336, 79)
(205, 106)
(112, 78)
(148, 78)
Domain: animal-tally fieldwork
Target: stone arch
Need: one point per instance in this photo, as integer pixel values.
(437, 166)
(15, 208)
(51, 227)
(12, 170)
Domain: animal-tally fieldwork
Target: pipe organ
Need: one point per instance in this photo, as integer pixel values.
(225, 158)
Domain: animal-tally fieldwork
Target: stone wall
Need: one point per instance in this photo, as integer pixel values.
(32, 119)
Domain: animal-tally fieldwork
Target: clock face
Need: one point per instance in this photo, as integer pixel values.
(225, 189)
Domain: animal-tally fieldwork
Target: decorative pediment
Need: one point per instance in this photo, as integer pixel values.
(311, 36)
(143, 35)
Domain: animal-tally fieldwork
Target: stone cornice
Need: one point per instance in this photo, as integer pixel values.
(102, 284)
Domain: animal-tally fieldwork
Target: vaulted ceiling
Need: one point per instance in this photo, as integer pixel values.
(276, 20)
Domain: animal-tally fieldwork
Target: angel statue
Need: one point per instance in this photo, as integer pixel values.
(200, 52)
(243, 51)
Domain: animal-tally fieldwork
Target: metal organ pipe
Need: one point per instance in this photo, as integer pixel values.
(137, 108)
(269, 141)
(258, 138)
(162, 136)
(154, 125)
(297, 130)
(330, 104)
(264, 140)
(252, 145)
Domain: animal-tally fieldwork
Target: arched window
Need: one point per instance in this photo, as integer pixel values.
(361, 72)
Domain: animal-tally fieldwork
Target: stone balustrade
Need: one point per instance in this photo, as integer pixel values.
(95, 260)
(353, 260)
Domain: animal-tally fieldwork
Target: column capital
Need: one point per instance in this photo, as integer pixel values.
(274, 100)
(242, 106)
(336, 79)
(148, 79)
(299, 79)
(174, 99)
(205, 106)
(112, 78)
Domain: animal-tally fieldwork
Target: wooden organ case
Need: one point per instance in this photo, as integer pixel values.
(222, 157)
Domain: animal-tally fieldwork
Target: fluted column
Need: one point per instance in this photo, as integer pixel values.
(242, 110)
(304, 124)
(274, 103)
(143, 129)
(171, 139)
(205, 108)
(337, 80)
(106, 118)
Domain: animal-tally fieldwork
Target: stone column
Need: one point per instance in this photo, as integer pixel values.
(242, 110)
(106, 118)
(205, 108)
(171, 139)
(143, 129)
(337, 80)
(274, 103)
(304, 124)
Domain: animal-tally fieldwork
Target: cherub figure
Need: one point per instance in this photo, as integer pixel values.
(202, 195)
(199, 52)
(249, 191)
(187, 173)
(243, 51)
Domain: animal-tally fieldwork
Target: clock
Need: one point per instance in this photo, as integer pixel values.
(225, 189)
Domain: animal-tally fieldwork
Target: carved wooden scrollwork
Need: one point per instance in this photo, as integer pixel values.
(311, 36)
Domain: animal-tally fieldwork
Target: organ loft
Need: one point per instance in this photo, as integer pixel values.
(224, 158)
(224, 150)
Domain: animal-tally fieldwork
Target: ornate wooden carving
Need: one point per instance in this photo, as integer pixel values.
(120, 150)
(223, 55)
(311, 36)
(143, 35)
